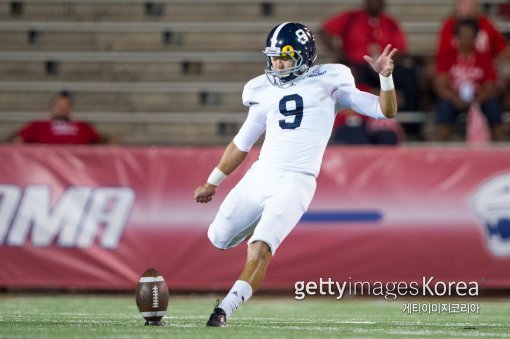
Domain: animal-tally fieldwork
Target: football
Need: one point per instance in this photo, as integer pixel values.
(152, 297)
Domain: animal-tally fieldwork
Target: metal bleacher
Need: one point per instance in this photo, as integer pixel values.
(162, 71)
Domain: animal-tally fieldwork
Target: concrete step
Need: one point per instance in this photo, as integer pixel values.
(419, 42)
(99, 100)
(131, 71)
(213, 11)
(137, 41)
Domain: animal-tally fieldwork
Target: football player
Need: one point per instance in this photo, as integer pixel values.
(295, 104)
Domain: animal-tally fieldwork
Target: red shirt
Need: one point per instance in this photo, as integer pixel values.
(488, 40)
(59, 132)
(360, 33)
(475, 69)
(504, 10)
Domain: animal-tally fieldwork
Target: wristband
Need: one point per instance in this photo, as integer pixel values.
(386, 82)
(216, 177)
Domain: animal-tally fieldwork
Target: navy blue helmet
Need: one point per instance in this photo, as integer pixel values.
(290, 40)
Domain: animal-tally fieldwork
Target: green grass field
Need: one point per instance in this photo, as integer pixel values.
(90, 316)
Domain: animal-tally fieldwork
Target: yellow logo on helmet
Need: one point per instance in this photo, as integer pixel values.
(288, 51)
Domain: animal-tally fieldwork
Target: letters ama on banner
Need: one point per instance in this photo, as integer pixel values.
(73, 221)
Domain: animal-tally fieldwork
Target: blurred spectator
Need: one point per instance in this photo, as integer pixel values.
(466, 78)
(351, 35)
(387, 132)
(488, 39)
(352, 128)
(504, 10)
(59, 129)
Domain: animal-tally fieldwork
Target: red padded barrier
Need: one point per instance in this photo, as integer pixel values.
(97, 217)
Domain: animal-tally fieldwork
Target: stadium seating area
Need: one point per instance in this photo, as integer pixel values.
(166, 71)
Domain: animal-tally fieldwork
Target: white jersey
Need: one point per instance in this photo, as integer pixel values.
(298, 119)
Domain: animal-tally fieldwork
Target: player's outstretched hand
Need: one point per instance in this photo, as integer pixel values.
(383, 64)
(204, 193)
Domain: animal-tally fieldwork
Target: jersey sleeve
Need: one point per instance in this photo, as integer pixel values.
(252, 89)
(360, 102)
(252, 128)
(346, 95)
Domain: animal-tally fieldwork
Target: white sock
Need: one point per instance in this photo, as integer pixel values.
(238, 294)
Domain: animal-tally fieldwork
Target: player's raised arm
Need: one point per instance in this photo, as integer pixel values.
(231, 159)
(383, 65)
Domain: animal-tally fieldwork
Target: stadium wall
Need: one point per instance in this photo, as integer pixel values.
(97, 217)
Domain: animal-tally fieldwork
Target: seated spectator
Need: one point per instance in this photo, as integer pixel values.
(488, 39)
(366, 32)
(352, 128)
(466, 77)
(60, 128)
(385, 132)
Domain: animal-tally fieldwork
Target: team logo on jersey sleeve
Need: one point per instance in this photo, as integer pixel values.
(316, 73)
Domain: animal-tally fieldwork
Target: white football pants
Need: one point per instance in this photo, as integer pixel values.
(268, 202)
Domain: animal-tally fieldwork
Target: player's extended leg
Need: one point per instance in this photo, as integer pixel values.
(257, 262)
(250, 280)
(290, 195)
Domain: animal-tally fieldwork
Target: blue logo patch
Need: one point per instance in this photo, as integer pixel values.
(316, 74)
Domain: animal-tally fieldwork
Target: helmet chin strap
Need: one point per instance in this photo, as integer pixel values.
(303, 69)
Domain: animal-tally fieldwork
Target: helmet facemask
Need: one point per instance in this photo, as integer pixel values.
(284, 77)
